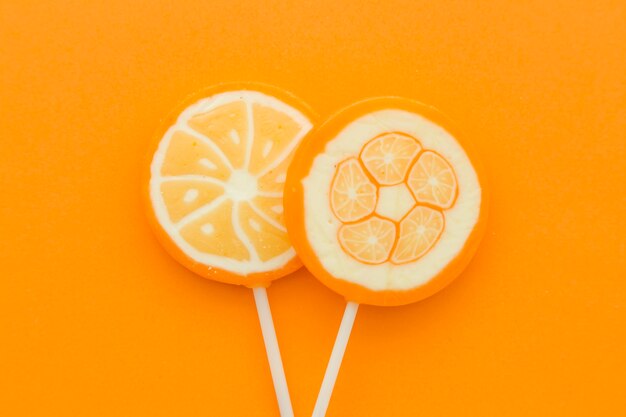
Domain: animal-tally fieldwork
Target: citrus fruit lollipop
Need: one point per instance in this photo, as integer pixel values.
(215, 193)
(385, 206)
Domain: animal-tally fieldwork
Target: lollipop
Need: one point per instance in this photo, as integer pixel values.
(384, 206)
(215, 193)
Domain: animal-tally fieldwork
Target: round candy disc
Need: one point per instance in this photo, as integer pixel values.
(216, 178)
(384, 203)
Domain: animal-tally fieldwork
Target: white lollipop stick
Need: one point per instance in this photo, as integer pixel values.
(273, 353)
(332, 369)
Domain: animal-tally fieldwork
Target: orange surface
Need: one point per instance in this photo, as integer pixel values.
(97, 320)
(315, 144)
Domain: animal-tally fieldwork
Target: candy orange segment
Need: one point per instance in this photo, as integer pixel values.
(213, 233)
(369, 241)
(216, 185)
(190, 154)
(184, 196)
(384, 203)
(227, 127)
(273, 136)
(419, 231)
(267, 236)
(433, 181)
(388, 157)
(273, 180)
(353, 195)
(271, 207)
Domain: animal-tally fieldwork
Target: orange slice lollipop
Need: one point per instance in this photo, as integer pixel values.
(216, 178)
(384, 202)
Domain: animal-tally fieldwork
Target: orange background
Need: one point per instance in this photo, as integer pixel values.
(95, 318)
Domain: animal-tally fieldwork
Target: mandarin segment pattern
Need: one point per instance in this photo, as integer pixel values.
(392, 159)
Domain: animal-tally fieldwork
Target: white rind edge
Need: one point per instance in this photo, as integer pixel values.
(156, 198)
(321, 229)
